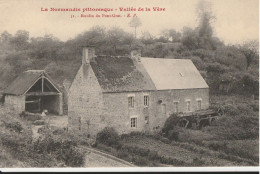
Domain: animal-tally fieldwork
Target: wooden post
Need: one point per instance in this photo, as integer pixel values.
(60, 104)
(42, 84)
(39, 105)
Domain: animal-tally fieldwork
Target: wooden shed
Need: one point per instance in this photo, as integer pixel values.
(34, 91)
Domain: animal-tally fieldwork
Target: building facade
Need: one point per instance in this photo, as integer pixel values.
(132, 93)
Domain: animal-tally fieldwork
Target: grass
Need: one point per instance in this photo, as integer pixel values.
(152, 150)
(242, 148)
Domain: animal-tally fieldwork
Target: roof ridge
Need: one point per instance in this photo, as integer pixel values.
(35, 71)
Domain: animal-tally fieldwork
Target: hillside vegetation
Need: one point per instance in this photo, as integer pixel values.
(226, 68)
(19, 148)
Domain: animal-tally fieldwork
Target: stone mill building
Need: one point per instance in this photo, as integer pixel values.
(132, 93)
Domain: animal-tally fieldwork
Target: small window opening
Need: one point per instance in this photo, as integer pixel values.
(164, 108)
(188, 105)
(134, 122)
(131, 102)
(146, 100)
(199, 104)
(176, 107)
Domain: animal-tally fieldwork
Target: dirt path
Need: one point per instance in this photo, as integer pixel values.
(57, 121)
(96, 158)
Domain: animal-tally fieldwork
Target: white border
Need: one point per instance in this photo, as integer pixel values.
(133, 169)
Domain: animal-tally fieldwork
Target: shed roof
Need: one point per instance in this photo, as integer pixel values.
(118, 74)
(173, 73)
(25, 81)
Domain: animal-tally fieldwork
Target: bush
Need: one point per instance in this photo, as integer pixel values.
(173, 135)
(62, 149)
(170, 128)
(108, 136)
(30, 117)
(170, 124)
(13, 126)
(217, 146)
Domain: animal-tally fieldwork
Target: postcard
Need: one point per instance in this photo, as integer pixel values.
(129, 85)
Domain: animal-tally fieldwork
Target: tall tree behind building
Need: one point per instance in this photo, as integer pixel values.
(135, 22)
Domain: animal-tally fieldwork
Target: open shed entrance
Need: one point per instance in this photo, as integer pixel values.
(43, 95)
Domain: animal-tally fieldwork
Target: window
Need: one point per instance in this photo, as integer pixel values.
(188, 105)
(199, 104)
(146, 118)
(176, 107)
(131, 102)
(134, 122)
(164, 108)
(146, 100)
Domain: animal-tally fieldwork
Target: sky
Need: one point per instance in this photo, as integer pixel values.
(237, 21)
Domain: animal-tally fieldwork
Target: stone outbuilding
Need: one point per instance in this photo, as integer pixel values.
(33, 91)
(132, 93)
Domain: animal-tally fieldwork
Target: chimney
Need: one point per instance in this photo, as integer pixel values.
(88, 54)
(136, 54)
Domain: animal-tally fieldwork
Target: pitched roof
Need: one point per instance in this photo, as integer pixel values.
(24, 81)
(118, 74)
(173, 73)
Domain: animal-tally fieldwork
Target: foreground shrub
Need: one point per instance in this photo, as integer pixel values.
(173, 135)
(63, 149)
(13, 126)
(30, 117)
(108, 136)
(170, 128)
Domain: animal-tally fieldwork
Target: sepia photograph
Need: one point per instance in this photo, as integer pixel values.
(103, 85)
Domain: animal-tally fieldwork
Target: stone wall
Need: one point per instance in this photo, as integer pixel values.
(14, 102)
(118, 115)
(85, 104)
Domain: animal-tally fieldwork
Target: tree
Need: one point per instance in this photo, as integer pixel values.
(135, 22)
(205, 30)
(190, 38)
(115, 36)
(147, 38)
(171, 35)
(95, 36)
(46, 47)
(5, 37)
(205, 18)
(20, 39)
(128, 39)
(250, 50)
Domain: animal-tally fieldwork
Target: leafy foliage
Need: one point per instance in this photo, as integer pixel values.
(108, 136)
(170, 128)
(62, 148)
